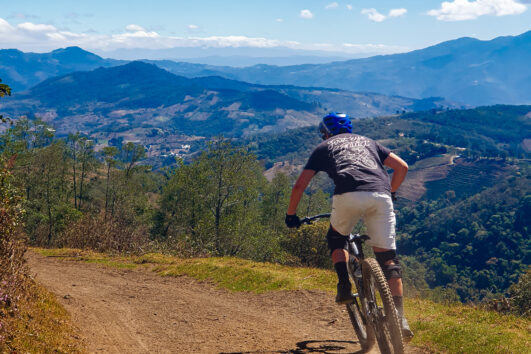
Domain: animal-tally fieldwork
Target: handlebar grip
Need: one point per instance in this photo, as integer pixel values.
(305, 220)
(309, 219)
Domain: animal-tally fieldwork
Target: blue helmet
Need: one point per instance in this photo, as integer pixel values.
(335, 123)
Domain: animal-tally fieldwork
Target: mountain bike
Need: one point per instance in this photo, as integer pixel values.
(372, 314)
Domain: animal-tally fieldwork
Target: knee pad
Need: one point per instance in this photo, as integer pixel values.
(336, 240)
(389, 270)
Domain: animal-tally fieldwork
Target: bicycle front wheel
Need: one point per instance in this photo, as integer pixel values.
(363, 331)
(357, 311)
(382, 314)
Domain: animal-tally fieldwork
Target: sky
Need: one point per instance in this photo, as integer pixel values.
(352, 27)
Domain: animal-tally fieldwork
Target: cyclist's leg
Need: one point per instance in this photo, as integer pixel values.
(380, 221)
(345, 215)
(337, 243)
(388, 260)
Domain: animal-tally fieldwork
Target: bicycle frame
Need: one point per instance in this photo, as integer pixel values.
(366, 314)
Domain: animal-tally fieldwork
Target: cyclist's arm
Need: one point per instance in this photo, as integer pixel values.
(298, 189)
(399, 167)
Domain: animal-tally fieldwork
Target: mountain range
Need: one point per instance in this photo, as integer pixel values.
(23, 70)
(465, 70)
(139, 100)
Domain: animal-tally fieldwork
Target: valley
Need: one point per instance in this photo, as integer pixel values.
(141, 103)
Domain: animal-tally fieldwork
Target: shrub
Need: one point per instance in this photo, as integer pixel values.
(103, 235)
(520, 295)
(308, 244)
(13, 274)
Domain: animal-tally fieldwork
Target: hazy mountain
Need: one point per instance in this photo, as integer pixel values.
(235, 57)
(465, 70)
(244, 61)
(23, 70)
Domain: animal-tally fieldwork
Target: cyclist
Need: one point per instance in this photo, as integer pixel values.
(356, 164)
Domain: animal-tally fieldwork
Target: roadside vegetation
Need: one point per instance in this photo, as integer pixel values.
(31, 320)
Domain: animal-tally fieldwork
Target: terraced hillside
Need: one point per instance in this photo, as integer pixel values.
(433, 177)
(466, 178)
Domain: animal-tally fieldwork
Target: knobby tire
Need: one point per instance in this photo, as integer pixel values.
(383, 317)
(356, 312)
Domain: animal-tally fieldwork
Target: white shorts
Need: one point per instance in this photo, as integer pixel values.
(376, 210)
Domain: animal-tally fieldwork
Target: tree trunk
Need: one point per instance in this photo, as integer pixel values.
(74, 167)
(107, 190)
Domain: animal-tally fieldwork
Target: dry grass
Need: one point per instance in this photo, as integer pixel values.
(39, 325)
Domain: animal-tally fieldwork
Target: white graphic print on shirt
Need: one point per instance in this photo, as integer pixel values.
(352, 150)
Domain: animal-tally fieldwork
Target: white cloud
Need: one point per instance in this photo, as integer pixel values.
(232, 41)
(373, 15)
(459, 10)
(397, 12)
(306, 14)
(193, 27)
(376, 16)
(32, 27)
(134, 28)
(332, 5)
(349, 7)
(42, 38)
(279, 20)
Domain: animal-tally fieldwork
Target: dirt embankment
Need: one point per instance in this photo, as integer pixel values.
(136, 311)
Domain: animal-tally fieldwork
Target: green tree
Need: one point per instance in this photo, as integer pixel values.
(48, 212)
(275, 201)
(5, 90)
(109, 153)
(230, 193)
(132, 154)
(213, 203)
(73, 142)
(88, 163)
(181, 211)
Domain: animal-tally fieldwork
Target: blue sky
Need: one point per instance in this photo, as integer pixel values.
(354, 26)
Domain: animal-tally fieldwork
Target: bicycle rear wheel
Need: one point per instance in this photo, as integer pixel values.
(382, 313)
(357, 313)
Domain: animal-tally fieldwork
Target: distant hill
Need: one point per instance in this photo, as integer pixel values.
(23, 70)
(464, 70)
(137, 99)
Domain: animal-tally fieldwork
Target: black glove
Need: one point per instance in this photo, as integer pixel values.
(292, 221)
(393, 196)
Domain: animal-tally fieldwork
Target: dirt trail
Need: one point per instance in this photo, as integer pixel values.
(137, 311)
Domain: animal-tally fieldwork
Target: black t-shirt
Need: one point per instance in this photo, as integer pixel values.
(354, 162)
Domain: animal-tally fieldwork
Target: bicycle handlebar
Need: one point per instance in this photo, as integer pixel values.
(309, 219)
